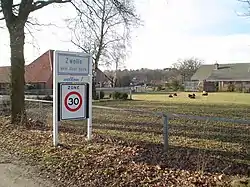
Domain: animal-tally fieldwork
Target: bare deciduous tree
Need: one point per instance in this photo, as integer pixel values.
(117, 55)
(187, 67)
(16, 14)
(102, 28)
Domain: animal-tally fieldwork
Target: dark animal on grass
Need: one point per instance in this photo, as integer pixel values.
(175, 94)
(170, 95)
(191, 96)
(204, 93)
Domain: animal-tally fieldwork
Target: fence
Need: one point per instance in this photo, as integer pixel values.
(116, 89)
(210, 141)
(30, 92)
(38, 109)
(39, 92)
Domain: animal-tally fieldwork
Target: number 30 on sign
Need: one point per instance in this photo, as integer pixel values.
(73, 101)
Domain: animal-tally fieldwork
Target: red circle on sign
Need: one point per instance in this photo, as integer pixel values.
(66, 103)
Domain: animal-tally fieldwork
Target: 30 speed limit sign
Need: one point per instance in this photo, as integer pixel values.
(72, 89)
(73, 101)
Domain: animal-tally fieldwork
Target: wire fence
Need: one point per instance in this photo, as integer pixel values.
(219, 141)
(224, 133)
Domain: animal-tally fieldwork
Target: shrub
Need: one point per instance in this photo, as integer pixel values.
(159, 88)
(181, 88)
(239, 89)
(99, 95)
(124, 96)
(95, 95)
(116, 95)
(102, 94)
(47, 98)
(175, 85)
(246, 90)
(216, 84)
(37, 97)
(231, 87)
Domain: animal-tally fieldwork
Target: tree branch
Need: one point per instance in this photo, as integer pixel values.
(111, 41)
(24, 8)
(40, 4)
(100, 7)
(34, 22)
(13, 6)
(107, 18)
(110, 26)
(88, 17)
(93, 27)
(109, 11)
(91, 8)
(96, 30)
(79, 46)
(29, 31)
(7, 10)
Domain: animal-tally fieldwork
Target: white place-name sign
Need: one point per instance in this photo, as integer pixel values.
(72, 89)
(72, 64)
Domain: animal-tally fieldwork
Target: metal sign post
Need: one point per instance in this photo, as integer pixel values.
(72, 89)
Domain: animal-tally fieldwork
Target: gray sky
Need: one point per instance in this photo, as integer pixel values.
(173, 29)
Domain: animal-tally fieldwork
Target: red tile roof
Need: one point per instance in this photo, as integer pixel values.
(101, 77)
(40, 70)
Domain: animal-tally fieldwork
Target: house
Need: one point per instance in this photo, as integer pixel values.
(158, 82)
(39, 73)
(103, 80)
(221, 76)
(4, 77)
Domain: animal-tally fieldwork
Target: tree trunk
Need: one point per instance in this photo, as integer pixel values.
(116, 70)
(94, 95)
(17, 37)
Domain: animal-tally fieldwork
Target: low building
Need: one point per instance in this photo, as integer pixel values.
(219, 77)
(4, 77)
(39, 73)
(102, 80)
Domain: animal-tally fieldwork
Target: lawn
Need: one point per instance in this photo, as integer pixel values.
(229, 105)
(127, 149)
(213, 98)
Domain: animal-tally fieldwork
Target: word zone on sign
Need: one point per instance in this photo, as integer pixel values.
(73, 101)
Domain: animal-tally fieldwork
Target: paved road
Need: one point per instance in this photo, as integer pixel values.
(15, 175)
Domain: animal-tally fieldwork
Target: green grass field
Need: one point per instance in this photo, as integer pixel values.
(213, 98)
(229, 105)
(219, 134)
(211, 138)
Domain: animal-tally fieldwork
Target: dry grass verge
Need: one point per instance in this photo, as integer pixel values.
(107, 160)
